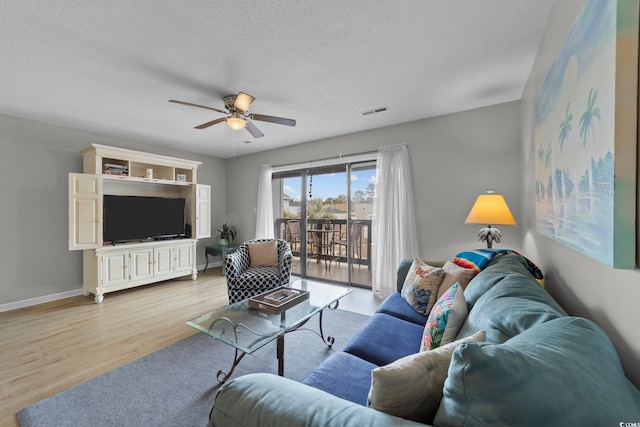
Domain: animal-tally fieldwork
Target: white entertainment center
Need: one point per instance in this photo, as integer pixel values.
(112, 266)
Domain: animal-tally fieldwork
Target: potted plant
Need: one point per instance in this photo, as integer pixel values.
(226, 234)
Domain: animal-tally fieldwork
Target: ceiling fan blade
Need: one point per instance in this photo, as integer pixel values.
(196, 105)
(211, 123)
(253, 130)
(243, 102)
(273, 119)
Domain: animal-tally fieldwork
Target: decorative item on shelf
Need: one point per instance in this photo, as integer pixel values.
(226, 234)
(115, 169)
(181, 177)
(149, 173)
(490, 209)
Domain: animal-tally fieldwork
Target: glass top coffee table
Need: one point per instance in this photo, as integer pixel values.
(248, 329)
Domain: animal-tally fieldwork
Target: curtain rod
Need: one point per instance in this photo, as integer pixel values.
(402, 144)
(351, 158)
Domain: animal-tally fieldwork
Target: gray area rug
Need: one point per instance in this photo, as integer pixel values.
(176, 385)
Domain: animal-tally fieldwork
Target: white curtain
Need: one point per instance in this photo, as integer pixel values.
(264, 218)
(394, 222)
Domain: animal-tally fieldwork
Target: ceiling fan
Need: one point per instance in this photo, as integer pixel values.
(237, 109)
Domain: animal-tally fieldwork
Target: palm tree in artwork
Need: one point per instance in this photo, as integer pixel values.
(547, 156)
(586, 129)
(541, 163)
(548, 162)
(563, 135)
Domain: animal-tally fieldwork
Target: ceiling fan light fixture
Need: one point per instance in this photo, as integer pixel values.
(236, 122)
(237, 115)
(243, 101)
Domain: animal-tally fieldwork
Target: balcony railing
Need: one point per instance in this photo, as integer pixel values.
(326, 239)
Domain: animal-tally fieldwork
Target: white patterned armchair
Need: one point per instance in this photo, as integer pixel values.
(245, 281)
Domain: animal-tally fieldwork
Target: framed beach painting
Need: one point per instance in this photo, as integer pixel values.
(586, 136)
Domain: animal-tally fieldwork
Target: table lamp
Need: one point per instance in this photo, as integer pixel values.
(490, 209)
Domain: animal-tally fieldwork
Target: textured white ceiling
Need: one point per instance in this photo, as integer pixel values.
(111, 66)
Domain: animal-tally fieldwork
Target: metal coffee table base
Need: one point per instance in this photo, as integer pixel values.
(223, 376)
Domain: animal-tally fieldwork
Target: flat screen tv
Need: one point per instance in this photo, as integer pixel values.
(129, 218)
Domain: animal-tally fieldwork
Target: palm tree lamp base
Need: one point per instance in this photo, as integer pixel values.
(489, 235)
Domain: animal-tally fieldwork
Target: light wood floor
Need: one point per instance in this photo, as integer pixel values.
(50, 347)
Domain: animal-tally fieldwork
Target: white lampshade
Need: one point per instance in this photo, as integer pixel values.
(490, 209)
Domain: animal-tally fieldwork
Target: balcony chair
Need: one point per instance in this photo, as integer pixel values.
(319, 240)
(351, 247)
(292, 233)
(247, 277)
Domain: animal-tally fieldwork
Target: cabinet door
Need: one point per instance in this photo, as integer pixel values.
(162, 260)
(141, 264)
(115, 268)
(184, 257)
(203, 211)
(85, 211)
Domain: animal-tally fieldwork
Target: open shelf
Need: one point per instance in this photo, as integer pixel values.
(121, 163)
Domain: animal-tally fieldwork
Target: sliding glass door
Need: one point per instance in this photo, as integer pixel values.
(325, 215)
(362, 184)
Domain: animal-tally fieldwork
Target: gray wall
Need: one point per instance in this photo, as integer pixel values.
(582, 286)
(453, 159)
(34, 164)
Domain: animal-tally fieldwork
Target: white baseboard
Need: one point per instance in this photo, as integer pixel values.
(61, 295)
(211, 264)
(39, 300)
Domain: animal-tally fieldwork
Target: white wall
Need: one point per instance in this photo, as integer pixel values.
(35, 160)
(453, 159)
(582, 286)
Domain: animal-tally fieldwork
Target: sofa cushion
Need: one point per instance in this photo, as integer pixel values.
(513, 305)
(421, 286)
(267, 400)
(383, 339)
(343, 375)
(445, 319)
(411, 387)
(562, 372)
(455, 274)
(395, 305)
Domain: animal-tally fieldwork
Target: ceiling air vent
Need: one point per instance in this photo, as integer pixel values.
(374, 111)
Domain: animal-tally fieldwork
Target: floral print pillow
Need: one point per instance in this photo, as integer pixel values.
(421, 286)
(446, 318)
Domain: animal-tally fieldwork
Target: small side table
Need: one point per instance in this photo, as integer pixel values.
(218, 250)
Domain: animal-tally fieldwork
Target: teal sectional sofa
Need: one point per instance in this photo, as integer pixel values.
(537, 367)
